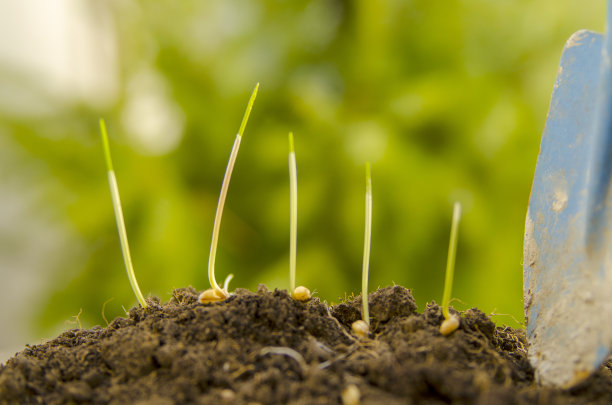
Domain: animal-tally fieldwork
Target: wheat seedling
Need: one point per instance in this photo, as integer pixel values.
(451, 322)
(300, 293)
(362, 326)
(114, 190)
(217, 293)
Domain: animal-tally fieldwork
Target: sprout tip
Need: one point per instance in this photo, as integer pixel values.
(247, 112)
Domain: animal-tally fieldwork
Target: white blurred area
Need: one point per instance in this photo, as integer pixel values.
(152, 121)
(53, 55)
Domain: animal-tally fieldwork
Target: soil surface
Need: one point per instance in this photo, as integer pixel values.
(266, 348)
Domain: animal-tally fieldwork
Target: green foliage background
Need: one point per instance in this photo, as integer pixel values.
(447, 99)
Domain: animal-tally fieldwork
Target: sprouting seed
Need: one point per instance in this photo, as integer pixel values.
(219, 293)
(212, 295)
(362, 326)
(451, 322)
(300, 293)
(351, 395)
(449, 325)
(114, 190)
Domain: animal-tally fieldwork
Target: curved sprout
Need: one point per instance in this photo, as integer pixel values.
(227, 281)
(114, 190)
(367, 242)
(223, 195)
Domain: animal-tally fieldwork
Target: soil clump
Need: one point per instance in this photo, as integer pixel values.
(266, 348)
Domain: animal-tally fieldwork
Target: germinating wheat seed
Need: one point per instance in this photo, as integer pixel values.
(451, 322)
(222, 293)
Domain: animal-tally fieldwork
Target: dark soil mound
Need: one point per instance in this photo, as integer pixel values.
(267, 348)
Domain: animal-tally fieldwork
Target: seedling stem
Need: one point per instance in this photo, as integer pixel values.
(367, 242)
(450, 263)
(223, 194)
(114, 190)
(293, 204)
(299, 293)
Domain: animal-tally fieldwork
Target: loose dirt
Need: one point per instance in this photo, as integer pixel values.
(266, 348)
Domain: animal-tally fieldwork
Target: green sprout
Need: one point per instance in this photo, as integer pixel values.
(293, 203)
(114, 190)
(300, 293)
(362, 326)
(367, 242)
(217, 293)
(451, 322)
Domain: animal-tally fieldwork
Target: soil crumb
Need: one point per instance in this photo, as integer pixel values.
(267, 348)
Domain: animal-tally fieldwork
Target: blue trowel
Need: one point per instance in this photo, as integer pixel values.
(567, 259)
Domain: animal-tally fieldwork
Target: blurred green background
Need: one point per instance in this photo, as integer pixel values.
(447, 99)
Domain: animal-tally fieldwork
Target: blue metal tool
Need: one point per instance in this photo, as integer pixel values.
(567, 258)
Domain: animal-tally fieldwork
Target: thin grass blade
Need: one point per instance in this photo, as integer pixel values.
(123, 239)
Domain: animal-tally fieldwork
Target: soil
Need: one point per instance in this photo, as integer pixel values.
(266, 348)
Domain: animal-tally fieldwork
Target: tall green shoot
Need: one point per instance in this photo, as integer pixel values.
(114, 190)
(299, 293)
(367, 242)
(361, 327)
(293, 205)
(222, 196)
(451, 322)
